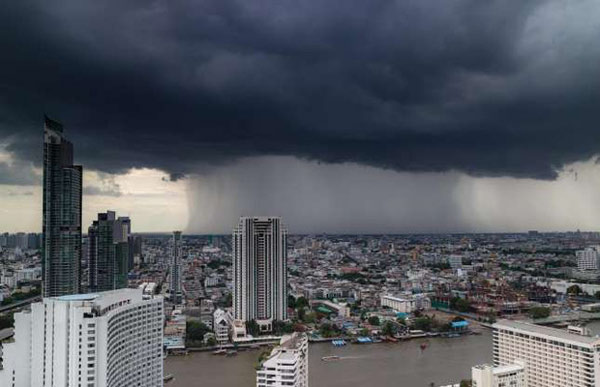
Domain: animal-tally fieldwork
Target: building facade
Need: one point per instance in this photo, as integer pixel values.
(176, 267)
(108, 252)
(222, 322)
(259, 248)
(109, 339)
(287, 365)
(588, 259)
(486, 375)
(407, 304)
(61, 223)
(551, 357)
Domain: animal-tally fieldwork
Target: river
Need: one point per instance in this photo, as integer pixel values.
(403, 364)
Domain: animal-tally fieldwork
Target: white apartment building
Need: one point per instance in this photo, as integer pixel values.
(406, 304)
(108, 339)
(222, 325)
(487, 375)
(287, 366)
(551, 357)
(259, 247)
(588, 259)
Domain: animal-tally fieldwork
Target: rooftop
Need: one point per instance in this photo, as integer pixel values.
(558, 334)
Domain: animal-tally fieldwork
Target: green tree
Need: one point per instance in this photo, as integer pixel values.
(7, 321)
(574, 289)
(211, 342)
(301, 302)
(195, 331)
(423, 324)
(374, 320)
(389, 328)
(291, 302)
(466, 383)
(252, 328)
(301, 314)
(539, 312)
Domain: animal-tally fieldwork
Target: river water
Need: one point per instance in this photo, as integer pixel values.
(382, 365)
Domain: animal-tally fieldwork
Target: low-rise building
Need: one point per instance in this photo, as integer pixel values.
(486, 375)
(287, 365)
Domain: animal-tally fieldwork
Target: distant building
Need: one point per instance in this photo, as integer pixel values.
(455, 261)
(489, 376)
(61, 224)
(551, 357)
(108, 252)
(175, 284)
(287, 365)
(259, 250)
(588, 259)
(407, 304)
(109, 339)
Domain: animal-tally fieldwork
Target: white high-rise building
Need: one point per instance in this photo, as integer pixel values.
(486, 375)
(222, 322)
(175, 284)
(551, 357)
(260, 271)
(588, 259)
(108, 339)
(287, 366)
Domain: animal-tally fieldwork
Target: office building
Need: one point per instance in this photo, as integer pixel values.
(175, 283)
(108, 252)
(487, 375)
(588, 259)
(406, 303)
(287, 365)
(551, 357)
(109, 339)
(259, 248)
(61, 223)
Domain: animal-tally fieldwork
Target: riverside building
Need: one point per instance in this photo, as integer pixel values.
(259, 248)
(551, 357)
(108, 339)
(486, 375)
(287, 366)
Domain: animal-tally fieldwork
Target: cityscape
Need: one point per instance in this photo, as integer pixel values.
(272, 194)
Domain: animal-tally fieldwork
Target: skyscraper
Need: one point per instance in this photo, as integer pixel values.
(109, 339)
(175, 284)
(108, 252)
(61, 225)
(259, 248)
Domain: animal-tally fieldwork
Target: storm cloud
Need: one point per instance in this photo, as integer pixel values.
(488, 88)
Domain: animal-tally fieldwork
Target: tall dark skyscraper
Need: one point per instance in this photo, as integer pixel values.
(62, 186)
(175, 284)
(108, 252)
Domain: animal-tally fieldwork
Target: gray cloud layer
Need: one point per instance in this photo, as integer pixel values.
(489, 88)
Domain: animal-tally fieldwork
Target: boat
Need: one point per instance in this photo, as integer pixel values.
(168, 378)
(424, 346)
(330, 358)
(231, 353)
(220, 352)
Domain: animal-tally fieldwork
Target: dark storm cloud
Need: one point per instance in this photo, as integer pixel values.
(489, 88)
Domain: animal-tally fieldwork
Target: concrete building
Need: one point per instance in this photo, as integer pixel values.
(551, 357)
(175, 283)
(109, 339)
(486, 375)
(407, 304)
(259, 249)
(588, 259)
(287, 365)
(61, 223)
(222, 325)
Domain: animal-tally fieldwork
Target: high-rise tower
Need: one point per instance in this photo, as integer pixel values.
(61, 258)
(259, 249)
(175, 284)
(108, 253)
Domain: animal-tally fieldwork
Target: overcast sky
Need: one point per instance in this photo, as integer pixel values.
(339, 115)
